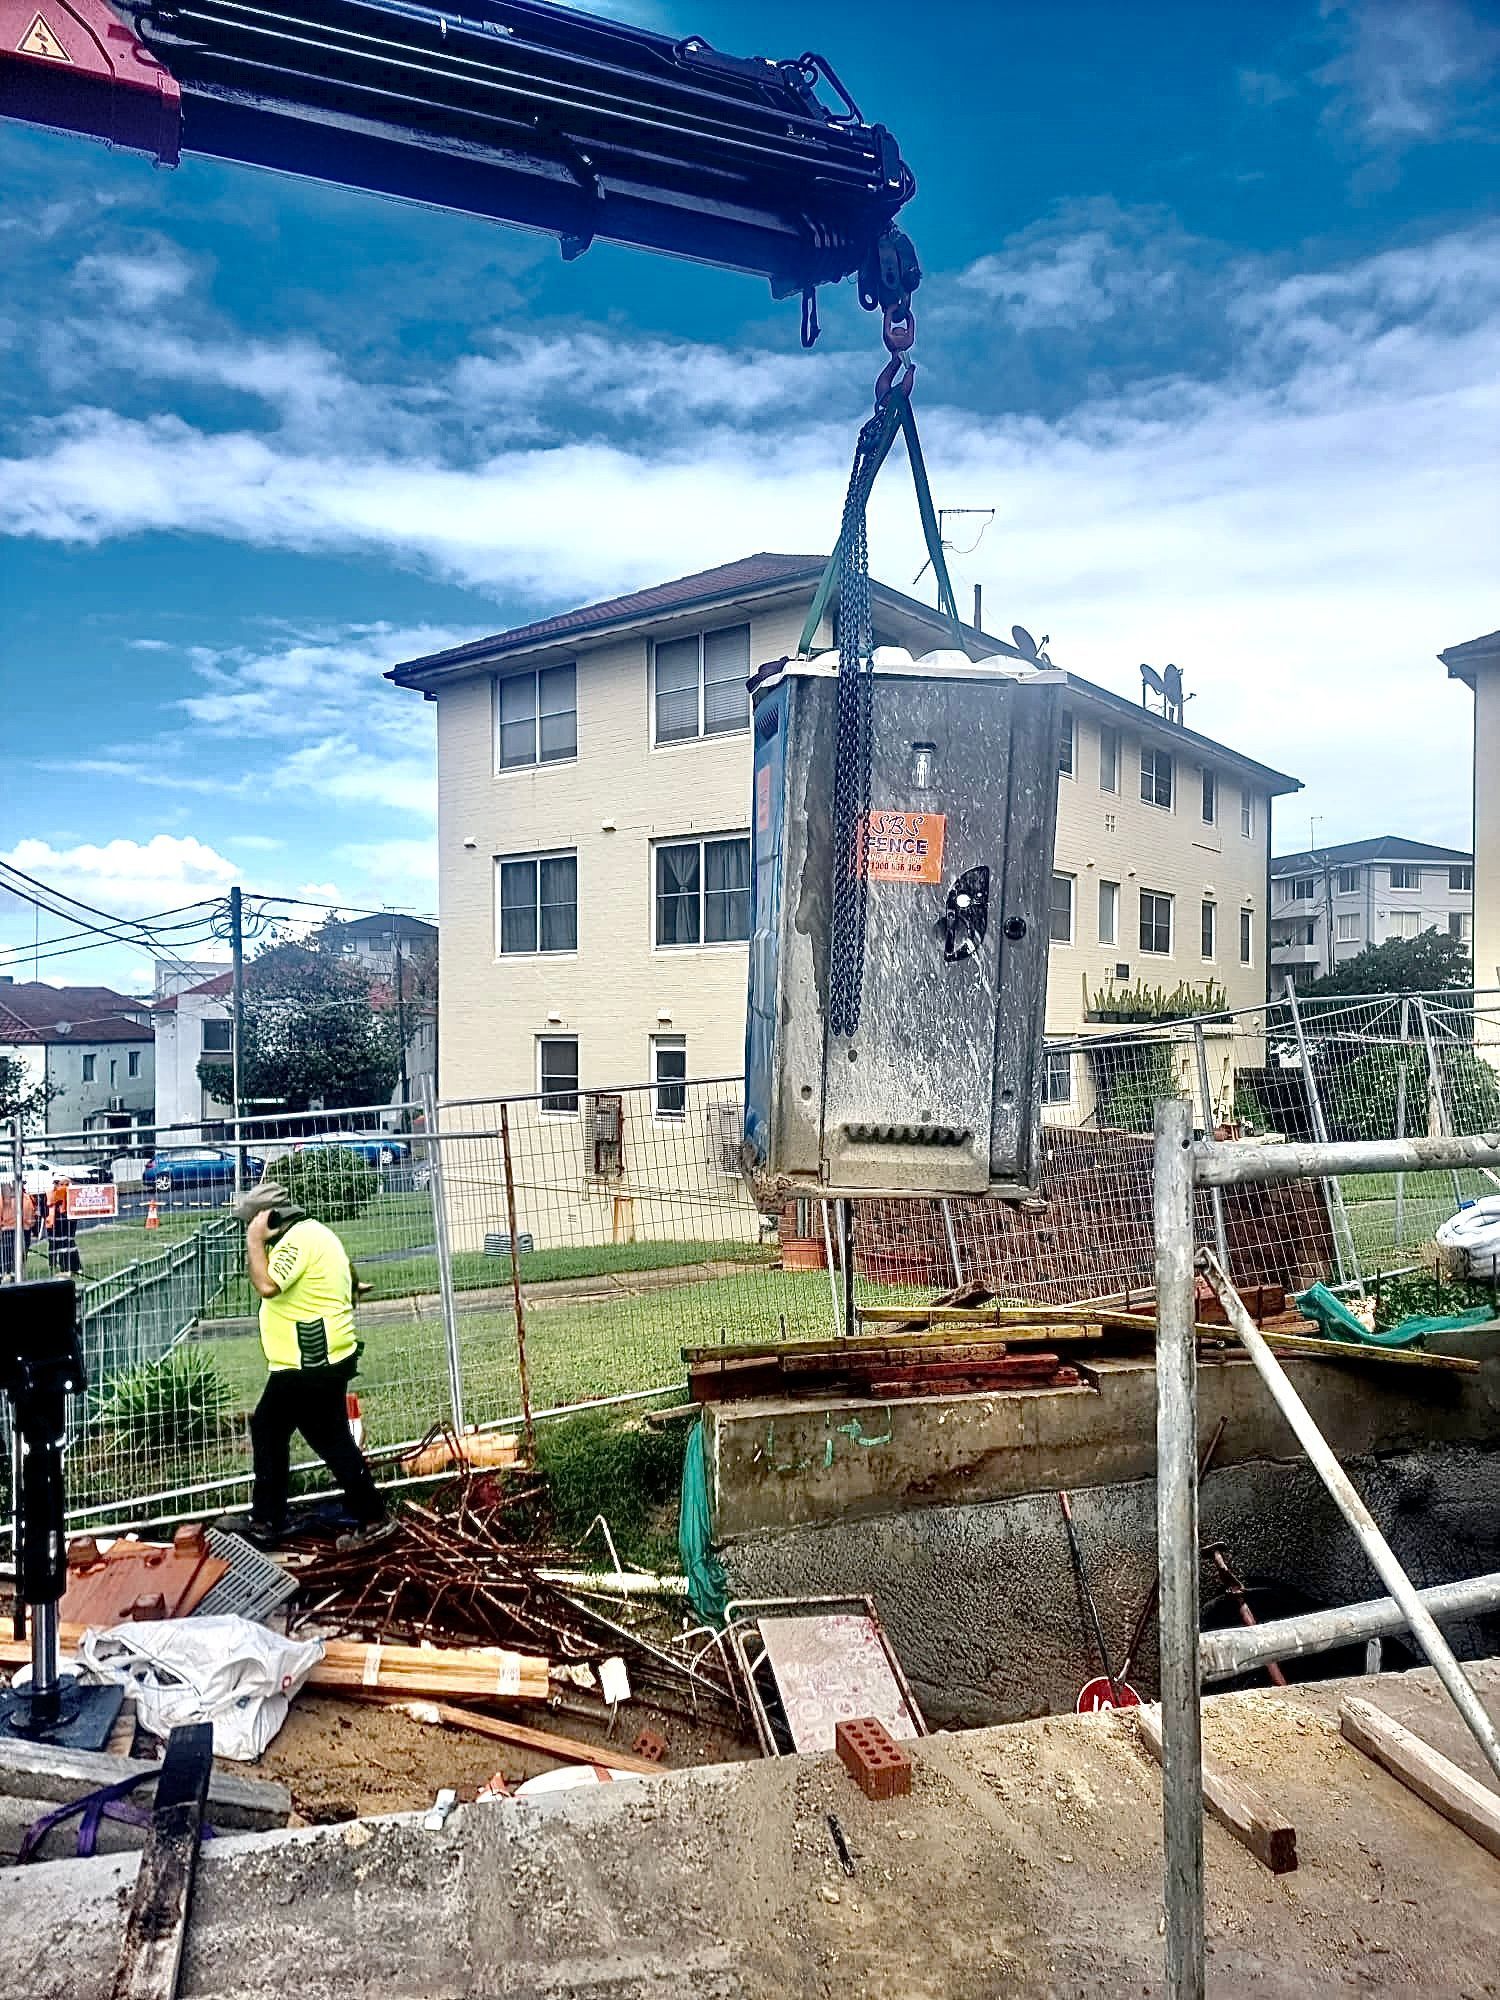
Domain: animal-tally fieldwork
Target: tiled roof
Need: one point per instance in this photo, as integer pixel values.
(660, 600)
(1384, 847)
(34, 1012)
(209, 989)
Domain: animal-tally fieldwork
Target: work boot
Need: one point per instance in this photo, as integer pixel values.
(368, 1535)
(262, 1534)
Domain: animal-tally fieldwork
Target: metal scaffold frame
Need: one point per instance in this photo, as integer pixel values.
(1181, 1167)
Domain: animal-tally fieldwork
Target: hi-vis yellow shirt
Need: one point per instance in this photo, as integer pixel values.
(310, 1321)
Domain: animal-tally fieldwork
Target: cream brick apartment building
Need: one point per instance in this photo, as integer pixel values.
(593, 813)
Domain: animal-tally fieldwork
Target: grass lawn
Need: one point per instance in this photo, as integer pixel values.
(112, 1245)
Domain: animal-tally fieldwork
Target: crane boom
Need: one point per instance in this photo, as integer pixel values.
(519, 110)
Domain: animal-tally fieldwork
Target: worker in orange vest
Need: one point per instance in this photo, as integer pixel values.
(62, 1233)
(8, 1227)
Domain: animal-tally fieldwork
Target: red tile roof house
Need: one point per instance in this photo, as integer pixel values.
(94, 1046)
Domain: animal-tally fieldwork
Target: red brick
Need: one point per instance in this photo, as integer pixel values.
(873, 1758)
(651, 1746)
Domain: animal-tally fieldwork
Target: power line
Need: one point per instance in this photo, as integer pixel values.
(150, 917)
(119, 927)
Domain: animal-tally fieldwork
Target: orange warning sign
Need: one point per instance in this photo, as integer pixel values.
(39, 40)
(905, 847)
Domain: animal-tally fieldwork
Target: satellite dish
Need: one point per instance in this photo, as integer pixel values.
(1023, 641)
(1150, 678)
(64, 1027)
(1172, 682)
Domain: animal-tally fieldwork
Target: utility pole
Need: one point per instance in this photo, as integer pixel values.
(237, 1028)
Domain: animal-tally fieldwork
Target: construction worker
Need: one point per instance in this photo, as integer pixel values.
(302, 1273)
(8, 1227)
(62, 1232)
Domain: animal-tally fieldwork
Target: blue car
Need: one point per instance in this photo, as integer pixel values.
(376, 1149)
(197, 1174)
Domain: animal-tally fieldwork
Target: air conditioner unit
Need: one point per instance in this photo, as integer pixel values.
(723, 1136)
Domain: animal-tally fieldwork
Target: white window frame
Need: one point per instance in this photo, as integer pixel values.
(1208, 780)
(90, 1068)
(1346, 883)
(1157, 756)
(1109, 759)
(1461, 926)
(1057, 1064)
(1247, 813)
(1247, 937)
(543, 1110)
(1160, 896)
(1112, 936)
(1208, 924)
(668, 1045)
(1067, 746)
(1347, 928)
(1398, 921)
(1301, 888)
(700, 841)
(1466, 886)
(538, 950)
(536, 759)
(212, 1021)
(1405, 869)
(1060, 875)
(132, 1062)
(701, 735)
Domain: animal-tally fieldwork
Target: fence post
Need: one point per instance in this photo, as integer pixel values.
(1333, 1194)
(18, 1190)
(1400, 1223)
(515, 1282)
(18, 1248)
(444, 1255)
(1439, 1092)
(1216, 1195)
(1177, 1550)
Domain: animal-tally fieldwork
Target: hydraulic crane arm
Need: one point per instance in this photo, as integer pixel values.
(519, 110)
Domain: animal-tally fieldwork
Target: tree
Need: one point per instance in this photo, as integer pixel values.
(1362, 1093)
(19, 1097)
(311, 1034)
(1422, 964)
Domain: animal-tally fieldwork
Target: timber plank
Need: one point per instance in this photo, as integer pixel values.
(1238, 1807)
(1469, 1805)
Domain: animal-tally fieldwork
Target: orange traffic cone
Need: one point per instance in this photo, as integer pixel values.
(153, 1220)
(356, 1421)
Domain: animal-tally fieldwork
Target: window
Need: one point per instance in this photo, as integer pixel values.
(1060, 910)
(1405, 923)
(1348, 929)
(1109, 912)
(703, 891)
(1156, 922)
(1460, 925)
(557, 1074)
(114, 1072)
(1210, 797)
(1109, 760)
(217, 1038)
(1156, 776)
(536, 718)
(1302, 888)
(1109, 822)
(1065, 746)
(669, 1075)
(1247, 933)
(1347, 883)
(133, 1063)
(1404, 876)
(701, 684)
(1207, 929)
(1461, 880)
(1247, 817)
(538, 904)
(1057, 1077)
(90, 1064)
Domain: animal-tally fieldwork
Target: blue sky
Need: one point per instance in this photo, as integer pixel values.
(1209, 319)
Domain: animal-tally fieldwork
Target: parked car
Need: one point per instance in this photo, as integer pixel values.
(197, 1173)
(41, 1176)
(377, 1149)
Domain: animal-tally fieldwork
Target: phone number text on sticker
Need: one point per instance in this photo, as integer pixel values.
(905, 847)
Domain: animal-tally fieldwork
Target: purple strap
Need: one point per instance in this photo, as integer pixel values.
(108, 1802)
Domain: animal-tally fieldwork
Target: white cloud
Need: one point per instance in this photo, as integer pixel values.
(1404, 66)
(128, 877)
(137, 280)
(1058, 282)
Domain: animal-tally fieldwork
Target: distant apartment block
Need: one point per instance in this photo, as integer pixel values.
(594, 852)
(1331, 903)
(93, 1049)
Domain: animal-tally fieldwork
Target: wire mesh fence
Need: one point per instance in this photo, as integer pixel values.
(599, 1232)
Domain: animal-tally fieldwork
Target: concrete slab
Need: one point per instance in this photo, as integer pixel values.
(1025, 1861)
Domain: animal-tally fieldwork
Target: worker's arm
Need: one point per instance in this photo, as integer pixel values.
(257, 1232)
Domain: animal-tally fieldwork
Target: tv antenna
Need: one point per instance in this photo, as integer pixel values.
(955, 514)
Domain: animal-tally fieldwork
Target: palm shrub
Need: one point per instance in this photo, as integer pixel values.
(168, 1405)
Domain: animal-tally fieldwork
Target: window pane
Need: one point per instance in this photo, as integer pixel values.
(677, 677)
(1057, 1077)
(557, 707)
(559, 1074)
(218, 1037)
(1109, 908)
(1208, 925)
(1156, 921)
(1246, 932)
(516, 711)
(518, 698)
(559, 903)
(1210, 798)
(726, 670)
(726, 891)
(517, 906)
(1065, 747)
(1060, 910)
(517, 743)
(1247, 814)
(670, 1060)
(1109, 760)
(677, 880)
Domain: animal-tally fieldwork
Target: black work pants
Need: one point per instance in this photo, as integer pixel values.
(312, 1401)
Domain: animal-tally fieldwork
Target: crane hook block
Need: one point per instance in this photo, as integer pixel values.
(76, 66)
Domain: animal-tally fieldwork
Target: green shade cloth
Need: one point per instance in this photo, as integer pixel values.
(707, 1586)
(1338, 1323)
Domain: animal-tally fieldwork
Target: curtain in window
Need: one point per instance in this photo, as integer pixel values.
(677, 878)
(557, 713)
(726, 669)
(517, 906)
(518, 720)
(676, 689)
(726, 891)
(559, 903)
